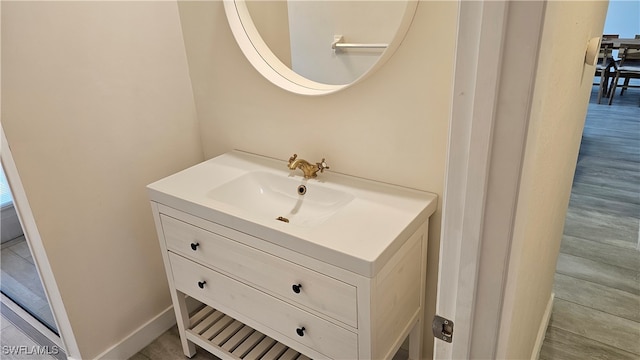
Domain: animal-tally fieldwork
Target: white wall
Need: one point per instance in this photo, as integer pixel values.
(97, 103)
(559, 107)
(391, 127)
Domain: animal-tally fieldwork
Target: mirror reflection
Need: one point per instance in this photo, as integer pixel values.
(300, 33)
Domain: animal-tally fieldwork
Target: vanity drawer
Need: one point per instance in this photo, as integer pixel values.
(235, 297)
(291, 281)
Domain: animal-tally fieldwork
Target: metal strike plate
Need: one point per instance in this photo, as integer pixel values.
(442, 328)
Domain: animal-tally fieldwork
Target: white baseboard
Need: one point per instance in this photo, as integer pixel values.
(141, 337)
(145, 334)
(543, 329)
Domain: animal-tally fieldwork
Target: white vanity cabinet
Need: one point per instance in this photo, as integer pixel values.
(270, 291)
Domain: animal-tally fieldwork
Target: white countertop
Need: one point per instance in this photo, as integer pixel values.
(359, 237)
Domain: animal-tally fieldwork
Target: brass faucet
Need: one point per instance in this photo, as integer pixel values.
(309, 170)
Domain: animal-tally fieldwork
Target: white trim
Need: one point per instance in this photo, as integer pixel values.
(544, 324)
(36, 246)
(141, 337)
(494, 78)
(518, 74)
(477, 72)
(145, 334)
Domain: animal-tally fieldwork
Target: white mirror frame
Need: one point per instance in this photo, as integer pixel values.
(264, 60)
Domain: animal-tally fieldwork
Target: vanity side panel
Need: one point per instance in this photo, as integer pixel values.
(178, 298)
(398, 296)
(364, 318)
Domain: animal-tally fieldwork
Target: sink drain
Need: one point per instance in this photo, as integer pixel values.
(302, 190)
(282, 218)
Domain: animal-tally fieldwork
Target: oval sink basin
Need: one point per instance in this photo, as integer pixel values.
(278, 197)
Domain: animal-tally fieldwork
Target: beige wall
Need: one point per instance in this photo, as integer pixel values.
(97, 103)
(559, 106)
(391, 127)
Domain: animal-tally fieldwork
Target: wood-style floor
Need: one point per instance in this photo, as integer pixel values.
(596, 311)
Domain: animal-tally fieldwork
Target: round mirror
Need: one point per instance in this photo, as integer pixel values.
(316, 47)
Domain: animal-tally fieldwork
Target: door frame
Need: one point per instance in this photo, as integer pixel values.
(492, 98)
(34, 241)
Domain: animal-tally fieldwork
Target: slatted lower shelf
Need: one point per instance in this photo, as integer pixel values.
(226, 337)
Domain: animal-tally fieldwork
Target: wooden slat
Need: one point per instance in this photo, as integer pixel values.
(303, 357)
(201, 342)
(260, 349)
(237, 339)
(217, 327)
(207, 322)
(227, 333)
(290, 354)
(275, 352)
(200, 315)
(252, 341)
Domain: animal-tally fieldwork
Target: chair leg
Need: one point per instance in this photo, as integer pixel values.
(611, 76)
(625, 86)
(613, 88)
(603, 83)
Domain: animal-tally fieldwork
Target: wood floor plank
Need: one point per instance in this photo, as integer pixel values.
(605, 192)
(620, 144)
(596, 325)
(592, 224)
(607, 177)
(609, 153)
(597, 161)
(610, 133)
(599, 273)
(609, 146)
(603, 253)
(603, 204)
(561, 344)
(599, 297)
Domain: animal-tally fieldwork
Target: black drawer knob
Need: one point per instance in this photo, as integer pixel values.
(194, 246)
(201, 284)
(300, 331)
(296, 288)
